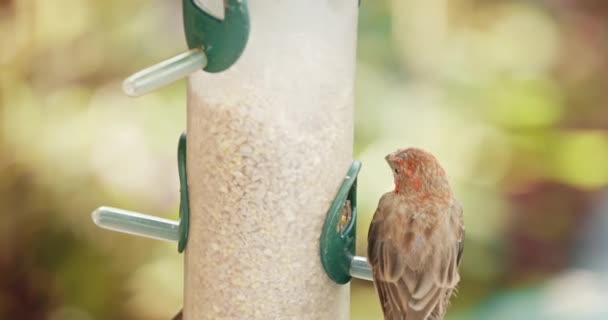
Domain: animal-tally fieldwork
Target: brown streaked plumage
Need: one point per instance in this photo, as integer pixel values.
(178, 316)
(416, 239)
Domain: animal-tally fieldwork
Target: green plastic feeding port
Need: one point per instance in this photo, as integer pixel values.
(184, 202)
(222, 38)
(338, 238)
(148, 226)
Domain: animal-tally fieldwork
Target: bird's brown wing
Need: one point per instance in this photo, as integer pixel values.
(449, 253)
(406, 293)
(178, 316)
(457, 210)
(392, 299)
(456, 245)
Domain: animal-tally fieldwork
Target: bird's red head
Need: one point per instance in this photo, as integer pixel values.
(417, 171)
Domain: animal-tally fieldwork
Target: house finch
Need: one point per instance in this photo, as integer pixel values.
(178, 316)
(415, 239)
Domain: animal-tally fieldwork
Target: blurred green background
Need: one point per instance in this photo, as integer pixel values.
(508, 95)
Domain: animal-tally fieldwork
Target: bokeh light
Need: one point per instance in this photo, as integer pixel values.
(507, 94)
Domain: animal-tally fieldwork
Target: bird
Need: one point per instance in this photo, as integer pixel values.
(178, 316)
(416, 239)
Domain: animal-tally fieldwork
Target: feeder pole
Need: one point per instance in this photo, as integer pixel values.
(269, 142)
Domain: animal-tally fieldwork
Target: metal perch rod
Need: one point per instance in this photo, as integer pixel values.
(135, 223)
(360, 268)
(164, 229)
(165, 72)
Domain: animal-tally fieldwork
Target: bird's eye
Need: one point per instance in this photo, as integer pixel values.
(396, 171)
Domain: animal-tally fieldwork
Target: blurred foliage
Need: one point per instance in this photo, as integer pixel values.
(506, 93)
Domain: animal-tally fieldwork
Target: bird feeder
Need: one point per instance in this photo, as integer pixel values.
(268, 184)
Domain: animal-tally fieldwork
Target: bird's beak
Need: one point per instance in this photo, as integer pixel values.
(390, 158)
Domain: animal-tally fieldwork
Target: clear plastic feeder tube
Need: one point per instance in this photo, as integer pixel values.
(269, 140)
